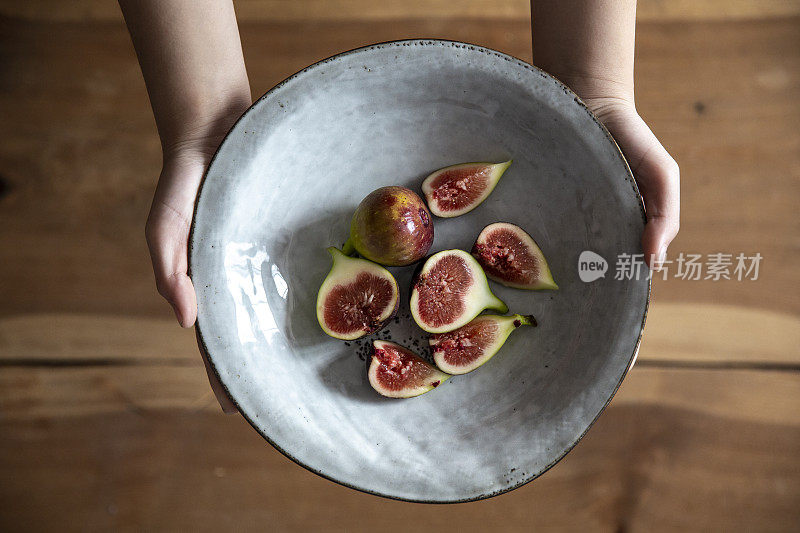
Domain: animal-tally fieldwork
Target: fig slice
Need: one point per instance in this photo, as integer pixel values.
(397, 372)
(465, 349)
(458, 189)
(357, 297)
(449, 290)
(511, 257)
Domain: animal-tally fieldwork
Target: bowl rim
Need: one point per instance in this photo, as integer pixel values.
(419, 42)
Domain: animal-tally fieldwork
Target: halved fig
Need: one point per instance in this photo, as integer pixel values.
(468, 347)
(357, 298)
(510, 256)
(458, 189)
(450, 290)
(397, 372)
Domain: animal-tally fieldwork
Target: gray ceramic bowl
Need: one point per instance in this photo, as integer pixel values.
(282, 187)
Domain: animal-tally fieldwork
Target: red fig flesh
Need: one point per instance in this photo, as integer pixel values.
(397, 372)
(465, 349)
(458, 189)
(357, 297)
(450, 290)
(510, 256)
(391, 226)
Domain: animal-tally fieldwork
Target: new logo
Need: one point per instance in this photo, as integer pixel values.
(591, 266)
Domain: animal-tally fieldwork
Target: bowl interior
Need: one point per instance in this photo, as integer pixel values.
(283, 187)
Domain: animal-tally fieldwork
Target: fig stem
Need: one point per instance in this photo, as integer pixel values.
(528, 320)
(348, 248)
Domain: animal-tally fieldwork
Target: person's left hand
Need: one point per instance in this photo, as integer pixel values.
(656, 172)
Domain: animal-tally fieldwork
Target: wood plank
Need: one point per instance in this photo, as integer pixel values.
(64, 337)
(139, 443)
(724, 104)
(676, 333)
(53, 393)
(338, 10)
(45, 392)
(721, 95)
(676, 451)
(93, 213)
(682, 332)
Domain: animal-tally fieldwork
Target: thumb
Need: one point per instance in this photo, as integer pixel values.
(659, 182)
(657, 175)
(167, 234)
(179, 292)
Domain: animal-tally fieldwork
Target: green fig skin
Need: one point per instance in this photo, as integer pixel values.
(510, 256)
(345, 271)
(392, 227)
(458, 189)
(397, 372)
(499, 326)
(476, 299)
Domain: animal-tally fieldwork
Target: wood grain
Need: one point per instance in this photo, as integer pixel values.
(105, 413)
(698, 333)
(676, 333)
(722, 97)
(98, 339)
(72, 391)
(697, 464)
(339, 10)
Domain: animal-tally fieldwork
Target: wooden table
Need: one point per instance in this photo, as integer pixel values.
(106, 418)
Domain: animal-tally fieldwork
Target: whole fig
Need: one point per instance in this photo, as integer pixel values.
(391, 226)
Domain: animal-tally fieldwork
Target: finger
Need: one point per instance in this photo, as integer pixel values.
(225, 401)
(658, 177)
(658, 234)
(184, 300)
(167, 234)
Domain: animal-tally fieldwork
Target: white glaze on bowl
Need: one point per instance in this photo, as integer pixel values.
(282, 188)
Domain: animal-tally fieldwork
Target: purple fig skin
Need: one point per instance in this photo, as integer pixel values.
(391, 226)
(458, 189)
(397, 372)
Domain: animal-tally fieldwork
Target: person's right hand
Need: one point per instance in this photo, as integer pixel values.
(192, 63)
(169, 222)
(167, 230)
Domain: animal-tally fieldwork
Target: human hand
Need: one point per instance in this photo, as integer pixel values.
(167, 233)
(589, 45)
(192, 63)
(656, 172)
